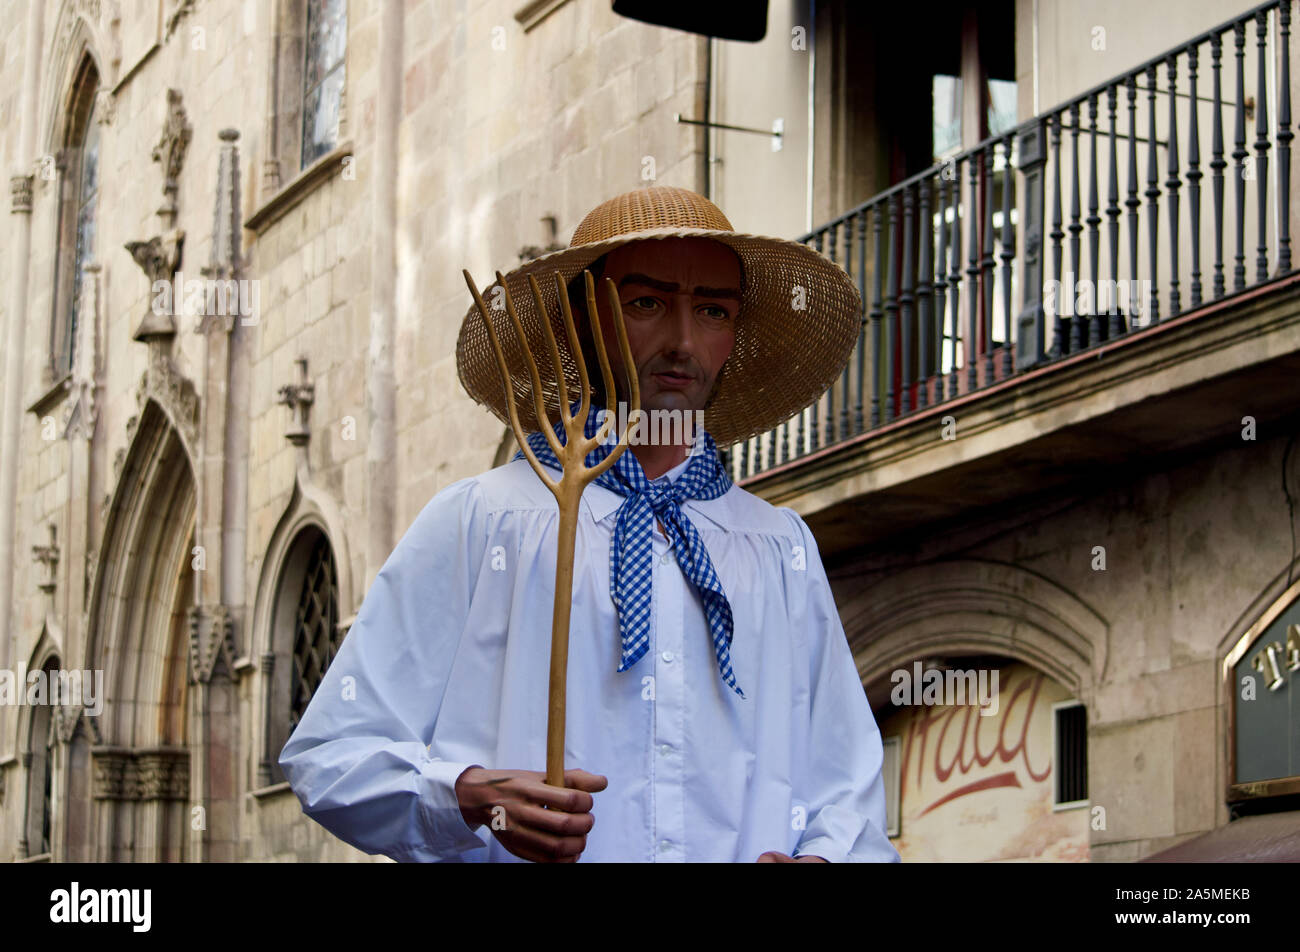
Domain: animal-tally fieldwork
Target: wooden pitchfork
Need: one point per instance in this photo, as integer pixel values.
(572, 456)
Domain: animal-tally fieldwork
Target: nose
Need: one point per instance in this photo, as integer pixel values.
(681, 326)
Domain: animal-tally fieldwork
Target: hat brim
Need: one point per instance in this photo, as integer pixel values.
(799, 317)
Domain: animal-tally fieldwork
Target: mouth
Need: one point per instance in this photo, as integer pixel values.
(669, 380)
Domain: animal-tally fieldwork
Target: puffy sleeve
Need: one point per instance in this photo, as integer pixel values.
(358, 760)
(844, 788)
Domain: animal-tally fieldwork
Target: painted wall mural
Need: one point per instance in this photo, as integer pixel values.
(979, 787)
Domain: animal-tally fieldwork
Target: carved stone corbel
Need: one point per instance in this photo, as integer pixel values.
(110, 768)
(20, 194)
(105, 107)
(298, 397)
(161, 774)
(67, 718)
(48, 558)
(159, 258)
(155, 773)
(211, 638)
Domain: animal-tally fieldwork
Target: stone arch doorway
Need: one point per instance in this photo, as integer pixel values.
(968, 780)
(138, 635)
(985, 761)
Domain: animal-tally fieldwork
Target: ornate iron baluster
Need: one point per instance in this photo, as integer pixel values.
(861, 219)
(923, 300)
(1153, 195)
(814, 412)
(954, 274)
(1262, 147)
(1284, 137)
(941, 285)
(844, 377)
(1008, 250)
(800, 440)
(1112, 213)
(971, 350)
(905, 304)
(986, 262)
(1091, 331)
(876, 302)
(1194, 175)
(1060, 343)
(1172, 183)
(891, 313)
(1239, 154)
(1076, 323)
(830, 391)
(1217, 163)
(1132, 203)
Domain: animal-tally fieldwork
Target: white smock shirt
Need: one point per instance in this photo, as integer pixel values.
(447, 666)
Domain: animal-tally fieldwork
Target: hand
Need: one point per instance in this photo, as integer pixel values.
(529, 817)
(772, 856)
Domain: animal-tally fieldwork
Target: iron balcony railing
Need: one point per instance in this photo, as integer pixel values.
(940, 258)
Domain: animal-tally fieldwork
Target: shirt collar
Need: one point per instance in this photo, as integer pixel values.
(673, 473)
(601, 501)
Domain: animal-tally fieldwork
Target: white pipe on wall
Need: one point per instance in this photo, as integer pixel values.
(812, 110)
(1035, 54)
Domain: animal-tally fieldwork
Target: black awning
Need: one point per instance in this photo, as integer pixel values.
(1268, 838)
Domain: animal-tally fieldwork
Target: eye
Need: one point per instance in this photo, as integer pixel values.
(645, 302)
(717, 312)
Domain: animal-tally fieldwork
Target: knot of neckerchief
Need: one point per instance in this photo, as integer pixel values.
(630, 574)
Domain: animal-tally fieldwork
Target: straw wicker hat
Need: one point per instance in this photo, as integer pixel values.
(783, 357)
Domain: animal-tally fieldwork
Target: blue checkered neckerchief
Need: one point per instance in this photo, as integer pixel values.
(630, 575)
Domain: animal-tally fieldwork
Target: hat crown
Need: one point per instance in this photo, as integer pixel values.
(660, 206)
(783, 358)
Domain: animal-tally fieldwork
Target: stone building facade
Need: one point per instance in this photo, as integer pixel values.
(233, 288)
(213, 480)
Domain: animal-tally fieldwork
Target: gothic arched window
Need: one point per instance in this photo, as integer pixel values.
(306, 634)
(42, 738)
(322, 77)
(315, 626)
(47, 794)
(78, 192)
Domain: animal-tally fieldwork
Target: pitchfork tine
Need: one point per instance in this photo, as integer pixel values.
(625, 350)
(506, 382)
(575, 346)
(545, 320)
(539, 401)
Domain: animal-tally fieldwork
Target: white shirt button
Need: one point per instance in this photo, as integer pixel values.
(664, 846)
(668, 657)
(663, 559)
(665, 749)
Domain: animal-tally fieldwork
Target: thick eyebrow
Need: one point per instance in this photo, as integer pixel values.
(673, 287)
